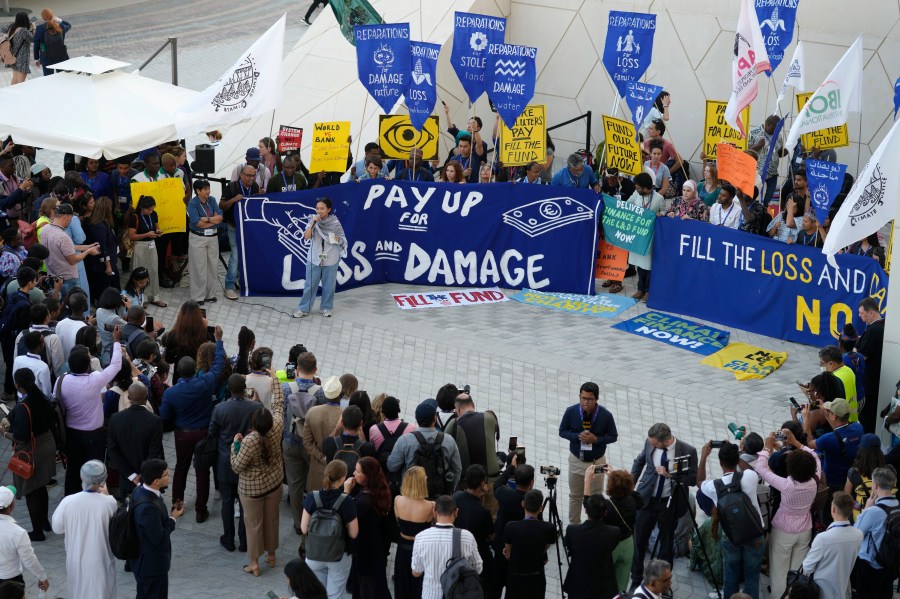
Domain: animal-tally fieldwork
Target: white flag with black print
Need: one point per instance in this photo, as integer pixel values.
(796, 73)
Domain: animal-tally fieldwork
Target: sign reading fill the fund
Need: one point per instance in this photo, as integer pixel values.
(526, 140)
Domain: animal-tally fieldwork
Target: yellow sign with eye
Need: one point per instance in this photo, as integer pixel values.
(397, 137)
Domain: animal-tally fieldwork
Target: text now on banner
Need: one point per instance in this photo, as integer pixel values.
(758, 284)
(627, 226)
(671, 330)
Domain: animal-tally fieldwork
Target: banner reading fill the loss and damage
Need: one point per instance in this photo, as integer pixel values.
(169, 196)
(759, 284)
(526, 140)
(622, 150)
(502, 234)
(823, 139)
(716, 130)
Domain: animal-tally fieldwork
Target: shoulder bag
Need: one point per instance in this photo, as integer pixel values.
(21, 463)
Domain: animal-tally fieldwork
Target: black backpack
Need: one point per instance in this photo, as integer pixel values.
(395, 479)
(325, 536)
(54, 49)
(738, 517)
(347, 453)
(430, 456)
(888, 553)
(460, 580)
(123, 538)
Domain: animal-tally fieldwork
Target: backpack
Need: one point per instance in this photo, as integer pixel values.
(16, 316)
(123, 538)
(739, 519)
(395, 479)
(325, 535)
(347, 452)
(299, 404)
(888, 553)
(7, 55)
(460, 580)
(58, 419)
(430, 456)
(54, 48)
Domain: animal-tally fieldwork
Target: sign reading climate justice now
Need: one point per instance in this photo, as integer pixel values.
(627, 226)
(526, 140)
(685, 334)
(823, 139)
(716, 130)
(330, 145)
(622, 150)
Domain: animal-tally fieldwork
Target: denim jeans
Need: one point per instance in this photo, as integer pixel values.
(67, 286)
(742, 560)
(332, 575)
(770, 185)
(315, 274)
(231, 274)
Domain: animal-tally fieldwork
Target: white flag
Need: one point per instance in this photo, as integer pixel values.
(749, 60)
(796, 73)
(873, 200)
(838, 96)
(249, 88)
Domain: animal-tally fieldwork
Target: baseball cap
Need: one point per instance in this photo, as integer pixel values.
(7, 496)
(37, 168)
(425, 411)
(332, 387)
(838, 407)
(870, 440)
(253, 154)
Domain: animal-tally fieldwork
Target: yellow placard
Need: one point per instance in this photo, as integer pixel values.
(716, 130)
(330, 147)
(527, 140)
(823, 139)
(397, 137)
(169, 196)
(746, 361)
(622, 151)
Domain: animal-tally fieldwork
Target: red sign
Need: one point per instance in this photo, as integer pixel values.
(289, 138)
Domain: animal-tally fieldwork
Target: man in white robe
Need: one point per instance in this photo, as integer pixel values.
(84, 519)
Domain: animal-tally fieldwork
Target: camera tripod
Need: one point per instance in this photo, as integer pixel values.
(669, 522)
(555, 520)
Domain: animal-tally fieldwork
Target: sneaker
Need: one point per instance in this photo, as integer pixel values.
(326, 313)
(305, 20)
(52, 483)
(231, 294)
(299, 314)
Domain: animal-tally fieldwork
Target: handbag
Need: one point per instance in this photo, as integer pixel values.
(793, 577)
(21, 463)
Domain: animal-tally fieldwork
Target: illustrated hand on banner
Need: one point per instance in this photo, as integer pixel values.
(422, 93)
(472, 34)
(382, 60)
(776, 23)
(640, 98)
(169, 196)
(825, 180)
(526, 140)
(509, 77)
(330, 147)
(736, 167)
(629, 46)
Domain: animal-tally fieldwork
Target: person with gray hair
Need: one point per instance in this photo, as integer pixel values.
(576, 174)
(84, 519)
(134, 435)
(869, 578)
(657, 581)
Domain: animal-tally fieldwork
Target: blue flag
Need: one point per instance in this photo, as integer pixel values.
(382, 57)
(640, 97)
(825, 181)
(896, 97)
(776, 23)
(771, 151)
(472, 34)
(629, 46)
(422, 93)
(509, 78)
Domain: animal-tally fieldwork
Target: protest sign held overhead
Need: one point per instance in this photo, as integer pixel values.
(640, 97)
(526, 140)
(509, 78)
(397, 136)
(716, 129)
(330, 147)
(736, 167)
(748, 62)
(289, 138)
(776, 23)
(169, 196)
(825, 180)
(472, 34)
(622, 150)
(823, 139)
(628, 226)
(629, 47)
(382, 60)
(422, 93)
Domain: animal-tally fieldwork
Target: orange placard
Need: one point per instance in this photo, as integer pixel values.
(736, 167)
(612, 262)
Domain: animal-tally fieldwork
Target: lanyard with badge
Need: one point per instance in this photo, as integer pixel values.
(586, 425)
(209, 231)
(148, 222)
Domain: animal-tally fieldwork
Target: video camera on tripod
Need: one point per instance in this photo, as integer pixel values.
(679, 466)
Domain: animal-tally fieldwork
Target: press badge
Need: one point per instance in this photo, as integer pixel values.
(209, 232)
(151, 245)
(587, 447)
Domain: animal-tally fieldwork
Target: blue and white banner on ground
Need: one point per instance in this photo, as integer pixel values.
(472, 34)
(776, 23)
(603, 305)
(629, 46)
(692, 336)
(382, 58)
(758, 284)
(511, 236)
(825, 180)
(640, 98)
(509, 79)
(422, 93)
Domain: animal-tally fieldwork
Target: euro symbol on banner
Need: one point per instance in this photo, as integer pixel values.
(403, 137)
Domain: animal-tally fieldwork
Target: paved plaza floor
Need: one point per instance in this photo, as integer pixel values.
(523, 362)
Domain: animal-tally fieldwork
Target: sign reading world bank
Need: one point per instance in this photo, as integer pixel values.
(629, 46)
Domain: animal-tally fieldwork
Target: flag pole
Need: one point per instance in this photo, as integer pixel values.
(362, 124)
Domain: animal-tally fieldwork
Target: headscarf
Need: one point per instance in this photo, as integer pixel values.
(690, 183)
(93, 474)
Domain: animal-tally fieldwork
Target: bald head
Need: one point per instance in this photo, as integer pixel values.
(137, 394)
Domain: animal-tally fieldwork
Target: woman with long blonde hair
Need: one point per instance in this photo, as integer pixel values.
(50, 41)
(414, 514)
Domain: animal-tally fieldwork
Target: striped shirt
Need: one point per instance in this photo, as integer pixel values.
(793, 515)
(431, 550)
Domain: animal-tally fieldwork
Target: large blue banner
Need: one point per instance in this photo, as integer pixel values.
(629, 46)
(382, 58)
(472, 34)
(422, 93)
(640, 97)
(776, 23)
(825, 180)
(511, 236)
(509, 78)
(759, 284)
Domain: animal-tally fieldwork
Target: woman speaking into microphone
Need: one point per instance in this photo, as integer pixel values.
(327, 243)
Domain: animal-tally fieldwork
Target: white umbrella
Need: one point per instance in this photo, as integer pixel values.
(110, 114)
(91, 64)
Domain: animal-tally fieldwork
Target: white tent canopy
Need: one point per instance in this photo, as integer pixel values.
(110, 114)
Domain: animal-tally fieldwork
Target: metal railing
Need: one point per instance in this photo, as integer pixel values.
(173, 41)
(587, 134)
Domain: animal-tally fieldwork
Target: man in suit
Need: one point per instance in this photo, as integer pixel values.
(154, 525)
(319, 424)
(591, 572)
(134, 435)
(651, 470)
(870, 345)
(229, 418)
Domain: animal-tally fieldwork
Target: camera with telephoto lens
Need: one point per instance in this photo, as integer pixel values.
(47, 282)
